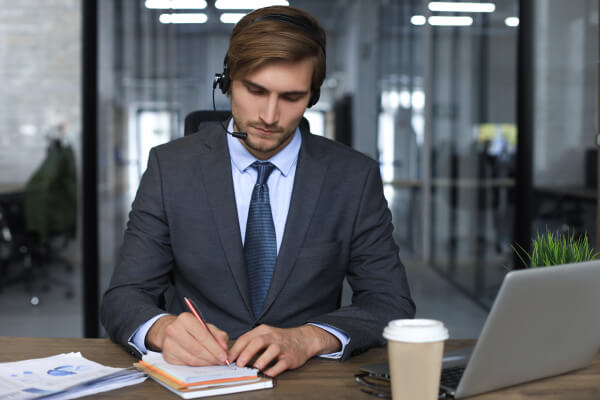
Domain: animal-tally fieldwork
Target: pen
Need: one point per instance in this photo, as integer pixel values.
(192, 307)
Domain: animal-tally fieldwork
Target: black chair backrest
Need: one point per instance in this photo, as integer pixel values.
(197, 120)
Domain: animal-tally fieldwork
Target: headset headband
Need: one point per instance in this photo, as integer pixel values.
(223, 80)
(296, 22)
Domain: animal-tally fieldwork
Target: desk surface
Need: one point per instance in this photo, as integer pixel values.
(318, 379)
(567, 193)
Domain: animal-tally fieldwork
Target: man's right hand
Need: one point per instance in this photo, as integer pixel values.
(183, 340)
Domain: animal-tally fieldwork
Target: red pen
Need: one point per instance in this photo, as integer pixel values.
(192, 307)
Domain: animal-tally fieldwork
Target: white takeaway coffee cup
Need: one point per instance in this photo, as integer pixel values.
(415, 351)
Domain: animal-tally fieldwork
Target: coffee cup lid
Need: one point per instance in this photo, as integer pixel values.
(415, 330)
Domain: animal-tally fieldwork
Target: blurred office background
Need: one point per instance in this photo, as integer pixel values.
(472, 162)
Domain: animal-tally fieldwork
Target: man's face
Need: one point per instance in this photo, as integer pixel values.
(268, 104)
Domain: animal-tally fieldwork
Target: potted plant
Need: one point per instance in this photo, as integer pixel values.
(551, 249)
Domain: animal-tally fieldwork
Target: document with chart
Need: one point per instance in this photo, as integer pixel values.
(63, 376)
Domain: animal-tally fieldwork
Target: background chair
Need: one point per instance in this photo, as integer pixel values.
(11, 216)
(38, 224)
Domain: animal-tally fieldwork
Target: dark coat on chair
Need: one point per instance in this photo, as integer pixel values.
(51, 194)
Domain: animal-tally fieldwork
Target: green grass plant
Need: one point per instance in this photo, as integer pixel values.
(551, 249)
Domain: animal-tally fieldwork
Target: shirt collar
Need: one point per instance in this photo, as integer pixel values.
(284, 160)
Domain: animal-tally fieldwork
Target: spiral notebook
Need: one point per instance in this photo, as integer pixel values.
(202, 381)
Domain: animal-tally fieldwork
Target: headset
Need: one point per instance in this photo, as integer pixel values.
(223, 80)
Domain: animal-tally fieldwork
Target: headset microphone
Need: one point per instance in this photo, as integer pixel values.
(219, 78)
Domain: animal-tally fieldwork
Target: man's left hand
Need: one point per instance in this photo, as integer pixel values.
(283, 349)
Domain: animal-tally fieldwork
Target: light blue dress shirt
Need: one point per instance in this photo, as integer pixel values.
(281, 184)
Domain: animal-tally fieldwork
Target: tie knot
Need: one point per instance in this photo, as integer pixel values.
(264, 171)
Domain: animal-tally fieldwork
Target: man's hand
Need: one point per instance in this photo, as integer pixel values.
(286, 348)
(183, 340)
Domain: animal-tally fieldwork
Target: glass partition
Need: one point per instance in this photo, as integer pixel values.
(434, 104)
(40, 113)
(565, 124)
(473, 143)
(447, 131)
(434, 101)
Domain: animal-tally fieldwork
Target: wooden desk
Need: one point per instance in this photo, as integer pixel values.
(318, 379)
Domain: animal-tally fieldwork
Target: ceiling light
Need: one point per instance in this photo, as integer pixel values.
(28, 129)
(198, 18)
(511, 21)
(418, 20)
(462, 7)
(231, 18)
(450, 21)
(176, 4)
(248, 4)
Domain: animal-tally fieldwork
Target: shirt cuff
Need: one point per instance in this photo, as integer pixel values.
(343, 337)
(138, 338)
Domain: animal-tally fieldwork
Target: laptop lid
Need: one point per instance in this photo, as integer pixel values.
(544, 322)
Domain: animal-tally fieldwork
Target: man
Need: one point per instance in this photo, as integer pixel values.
(263, 248)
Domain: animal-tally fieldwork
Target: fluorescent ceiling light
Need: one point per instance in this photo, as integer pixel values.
(450, 21)
(176, 4)
(418, 20)
(231, 18)
(248, 4)
(28, 129)
(511, 21)
(198, 18)
(460, 7)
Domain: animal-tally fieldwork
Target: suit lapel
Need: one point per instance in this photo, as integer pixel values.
(310, 173)
(215, 167)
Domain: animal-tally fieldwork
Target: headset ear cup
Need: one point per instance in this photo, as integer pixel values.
(314, 98)
(224, 81)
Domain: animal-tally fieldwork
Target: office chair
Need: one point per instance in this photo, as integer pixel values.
(6, 245)
(12, 240)
(38, 223)
(198, 120)
(50, 209)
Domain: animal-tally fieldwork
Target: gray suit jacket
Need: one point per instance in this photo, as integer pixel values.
(183, 235)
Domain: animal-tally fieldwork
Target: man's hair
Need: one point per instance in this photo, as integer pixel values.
(277, 33)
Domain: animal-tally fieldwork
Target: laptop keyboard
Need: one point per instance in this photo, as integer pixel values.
(451, 376)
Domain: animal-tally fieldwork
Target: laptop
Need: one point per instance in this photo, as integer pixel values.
(544, 322)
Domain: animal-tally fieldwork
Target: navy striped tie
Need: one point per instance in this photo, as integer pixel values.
(260, 245)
